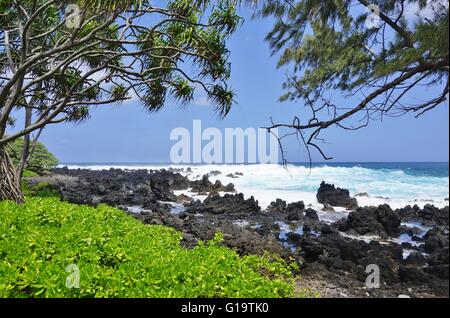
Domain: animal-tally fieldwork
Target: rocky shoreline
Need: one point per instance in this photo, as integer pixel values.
(409, 245)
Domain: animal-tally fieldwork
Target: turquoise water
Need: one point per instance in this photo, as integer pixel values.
(431, 169)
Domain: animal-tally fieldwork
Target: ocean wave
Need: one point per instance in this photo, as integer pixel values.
(294, 183)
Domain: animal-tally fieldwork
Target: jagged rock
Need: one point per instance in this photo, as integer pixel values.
(327, 229)
(214, 173)
(435, 240)
(415, 259)
(322, 250)
(439, 257)
(205, 186)
(277, 206)
(379, 220)
(244, 241)
(440, 271)
(295, 211)
(183, 198)
(228, 204)
(311, 214)
(413, 274)
(235, 175)
(115, 186)
(292, 212)
(429, 215)
(328, 193)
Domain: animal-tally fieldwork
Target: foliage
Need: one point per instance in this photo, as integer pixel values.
(61, 66)
(29, 173)
(374, 52)
(59, 59)
(342, 60)
(40, 161)
(41, 190)
(119, 256)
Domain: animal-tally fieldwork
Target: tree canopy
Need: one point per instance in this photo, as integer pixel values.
(59, 59)
(41, 160)
(378, 52)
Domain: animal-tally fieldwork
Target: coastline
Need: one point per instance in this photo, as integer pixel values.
(371, 183)
(332, 243)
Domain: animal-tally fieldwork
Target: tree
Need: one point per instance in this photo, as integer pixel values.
(40, 160)
(58, 59)
(377, 52)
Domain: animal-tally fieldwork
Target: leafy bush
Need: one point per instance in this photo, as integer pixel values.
(29, 173)
(40, 189)
(119, 256)
(40, 161)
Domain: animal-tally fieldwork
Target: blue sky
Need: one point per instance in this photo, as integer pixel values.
(127, 133)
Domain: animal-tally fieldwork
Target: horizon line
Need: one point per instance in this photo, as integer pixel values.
(240, 163)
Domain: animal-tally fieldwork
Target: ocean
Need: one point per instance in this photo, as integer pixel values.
(397, 184)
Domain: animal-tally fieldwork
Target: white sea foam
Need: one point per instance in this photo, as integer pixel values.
(268, 182)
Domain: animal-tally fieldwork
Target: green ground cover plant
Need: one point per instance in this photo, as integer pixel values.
(118, 256)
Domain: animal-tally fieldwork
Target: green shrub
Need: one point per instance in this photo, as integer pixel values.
(29, 173)
(40, 189)
(40, 161)
(119, 256)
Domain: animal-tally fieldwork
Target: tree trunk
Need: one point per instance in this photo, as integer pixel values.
(9, 180)
(26, 144)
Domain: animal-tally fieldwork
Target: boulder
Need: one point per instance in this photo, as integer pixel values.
(428, 216)
(294, 211)
(228, 204)
(381, 220)
(439, 271)
(435, 239)
(117, 187)
(329, 194)
(311, 214)
(412, 274)
(214, 173)
(415, 259)
(277, 206)
(205, 186)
